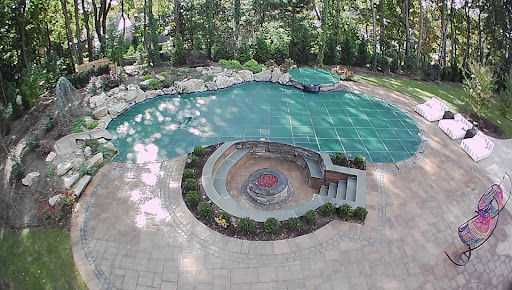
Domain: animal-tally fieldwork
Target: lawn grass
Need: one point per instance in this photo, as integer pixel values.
(452, 95)
(37, 259)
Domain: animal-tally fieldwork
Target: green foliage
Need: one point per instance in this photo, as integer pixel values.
(253, 66)
(81, 79)
(431, 72)
(92, 125)
(310, 217)
(410, 64)
(230, 63)
(344, 211)
(359, 162)
(83, 169)
(204, 208)
(287, 65)
(147, 77)
(93, 143)
(363, 55)
(188, 173)
(224, 215)
(326, 209)
(292, 224)
(360, 213)
(179, 54)
(49, 173)
(479, 83)
(199, 151)
(34, 142)
(192, 160)
(261, 49)
(301, 44)
(331, 50)
(244, 54)
(106, 152)
(348, 51)
(505, 101)
(192, 198)
(383, 63)
(115, 45)
(247, 225)
(78, 125)
(220, 50)
(190, 184)
(30, 88)
(271, 225)
(340, 159)
(394, 66)
(17, 168)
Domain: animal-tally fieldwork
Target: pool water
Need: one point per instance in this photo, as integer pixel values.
(172, 125)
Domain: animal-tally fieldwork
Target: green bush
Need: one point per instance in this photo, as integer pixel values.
(244, 54)
(224, 215)
(230, 63)
(363, 55)
(93, 143)
(253, 66)
(83, 169)
(204, 208)
(107, 153)
(261, 49)
(287, 65)
(147, 77)
(192, 160)
(78, 125)
(394, 66)
(310, 217)
(348, 51)
(220, 50)
(81, 79)
(92, 125)
(179, 54)
(410, 64)
(326, 209)
(190, 184)
(247, 225)
(271, 225)
(383, 63)
(301, 43)
(359, 162)
(16, 170)
(188, 173)
(199, 151)
(192, 198)
(360, 213)
(340, 159)
(292, 224)
(49, 173)
(344, 211)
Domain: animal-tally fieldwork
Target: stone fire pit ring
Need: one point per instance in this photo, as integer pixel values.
(267, 189)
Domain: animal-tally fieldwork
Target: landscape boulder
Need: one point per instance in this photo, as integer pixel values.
(263, 76)
(30, 178)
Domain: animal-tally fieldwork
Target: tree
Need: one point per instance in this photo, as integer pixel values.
(374, 35)
(80, 58)
(100, 13)
(69, 34)
(479, 83)
(87, 31)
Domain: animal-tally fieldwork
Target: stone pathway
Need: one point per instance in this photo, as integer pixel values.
(132, 230)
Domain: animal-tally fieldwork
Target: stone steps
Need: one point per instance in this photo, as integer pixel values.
(342, 192)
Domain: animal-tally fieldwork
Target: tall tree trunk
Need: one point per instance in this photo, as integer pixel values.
(374, 32)
(80, 58)
(210, 27)
(407, 32)
(237, 16)
(69, 34)
(87, 31)
(443, 32)
(453, 36)
(420, 37)
(381, 20)
(124, 19)
(21, 25)
(177, 16)
(480, 46)
(48, 39)
(100, 20)
(467, 8)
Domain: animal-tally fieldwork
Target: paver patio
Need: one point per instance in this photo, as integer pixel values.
(132, 230)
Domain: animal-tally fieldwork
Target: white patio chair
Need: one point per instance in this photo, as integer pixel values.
(432, 110)
(455, 128)
(478, 147)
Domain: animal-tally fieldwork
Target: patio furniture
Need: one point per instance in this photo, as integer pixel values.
(448, 115)
(471, 133)
(478, 147)
(432, 110)
(455, 128)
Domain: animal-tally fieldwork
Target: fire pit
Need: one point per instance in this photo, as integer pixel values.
(267, 188)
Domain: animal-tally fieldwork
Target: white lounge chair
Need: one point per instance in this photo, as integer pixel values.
(432, 110)
(478, 147)
(455, 128)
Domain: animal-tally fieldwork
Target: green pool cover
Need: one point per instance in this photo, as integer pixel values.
(313, 76)
(170, 126)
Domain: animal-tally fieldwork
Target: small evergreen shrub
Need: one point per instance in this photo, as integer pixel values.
(188, 173)
(230, 63)
(16, 170)
(192, 198)
(292, 224)
(247, 225)
(360, 213)
(224, 215)
(147, 77)
(253, 66)
(271, 225)
(92, 125)
(192, 160)
(78, 125)
(204, 208)
(93, 143)
(383, 63)
(344, 211)
(107, 153)
(190, 184)
(363, 55)
(199, 151)
(326, 209)
(244, 54)
(310, 217)
(340, 159)
(359, 162)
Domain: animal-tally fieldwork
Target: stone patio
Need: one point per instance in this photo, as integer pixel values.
(132, 230)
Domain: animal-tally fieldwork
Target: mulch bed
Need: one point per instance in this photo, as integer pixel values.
(232, 230)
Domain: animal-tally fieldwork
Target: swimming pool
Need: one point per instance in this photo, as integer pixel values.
(172, 125)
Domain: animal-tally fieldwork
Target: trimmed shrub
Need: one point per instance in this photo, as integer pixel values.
(147, 77)
(204, 208)
(363, 55)
(261, 49)
(340, 159)
(230, 63)
(192, 197)
(383, 63)
(344, 211)
(192, 160)
(292, 224)
(310, 217)
(360, 213)
(190, 184)
(253, 66)
(188, 173)
(326, 209)
(271, 225)
(410, 64)
(199, 151)
(395, 64)
(244, 54)
(359, 162)
(16, 170)
(93, 143)
(348, 51)
(247, 225)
